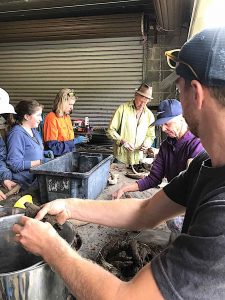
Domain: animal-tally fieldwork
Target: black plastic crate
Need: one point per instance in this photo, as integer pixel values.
(73, 175)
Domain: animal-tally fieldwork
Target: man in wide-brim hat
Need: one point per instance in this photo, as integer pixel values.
(130, 127)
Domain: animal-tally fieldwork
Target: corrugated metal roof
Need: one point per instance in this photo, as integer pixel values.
(45, 9)
(71, 28)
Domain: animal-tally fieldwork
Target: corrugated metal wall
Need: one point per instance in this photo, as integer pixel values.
(104, 72)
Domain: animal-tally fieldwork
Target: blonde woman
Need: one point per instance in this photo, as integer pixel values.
(58, 130)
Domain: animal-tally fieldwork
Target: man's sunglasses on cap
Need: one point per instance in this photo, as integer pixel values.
(173, 61)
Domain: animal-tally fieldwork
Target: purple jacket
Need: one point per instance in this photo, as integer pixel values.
(171, 160)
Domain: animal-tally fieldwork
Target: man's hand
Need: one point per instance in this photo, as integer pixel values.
(127, 146)
(9, 184)
(36, 236)
(117, 194)
(57, 208)
(2, 196)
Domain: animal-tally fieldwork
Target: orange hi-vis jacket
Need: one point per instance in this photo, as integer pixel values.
(58, 133)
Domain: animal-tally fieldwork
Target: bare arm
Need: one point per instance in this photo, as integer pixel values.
(85, 279)
(88, 281)
(122, 213)
(127, 213)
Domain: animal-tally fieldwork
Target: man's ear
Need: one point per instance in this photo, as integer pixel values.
(198, 93)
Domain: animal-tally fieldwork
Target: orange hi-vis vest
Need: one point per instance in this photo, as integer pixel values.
(57, 128)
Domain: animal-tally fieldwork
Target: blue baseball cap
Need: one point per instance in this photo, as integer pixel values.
(167, 110)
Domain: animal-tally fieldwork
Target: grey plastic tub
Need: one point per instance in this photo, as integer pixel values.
(75, 174)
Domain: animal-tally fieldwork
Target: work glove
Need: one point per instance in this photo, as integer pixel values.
(45, 159)
(80, 139)
(48, 154)
(128, 146)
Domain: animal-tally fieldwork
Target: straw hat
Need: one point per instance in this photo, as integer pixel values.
(5, 107)
(145, 90)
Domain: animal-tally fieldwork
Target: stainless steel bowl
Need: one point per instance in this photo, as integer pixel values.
(22, 274)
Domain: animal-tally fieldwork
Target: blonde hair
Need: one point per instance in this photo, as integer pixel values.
(60, 99)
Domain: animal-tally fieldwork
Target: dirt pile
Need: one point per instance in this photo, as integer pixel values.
(125, 258)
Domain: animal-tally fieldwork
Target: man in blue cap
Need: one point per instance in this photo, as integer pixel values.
(192, 267)
(175, 152)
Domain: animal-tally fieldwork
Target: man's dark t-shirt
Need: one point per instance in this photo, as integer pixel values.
(193, 267)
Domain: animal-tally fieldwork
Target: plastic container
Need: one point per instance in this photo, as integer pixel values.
(73, 175)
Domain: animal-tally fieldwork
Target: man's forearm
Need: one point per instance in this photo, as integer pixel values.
(121, 213)
(125, 213)
(86, 280)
